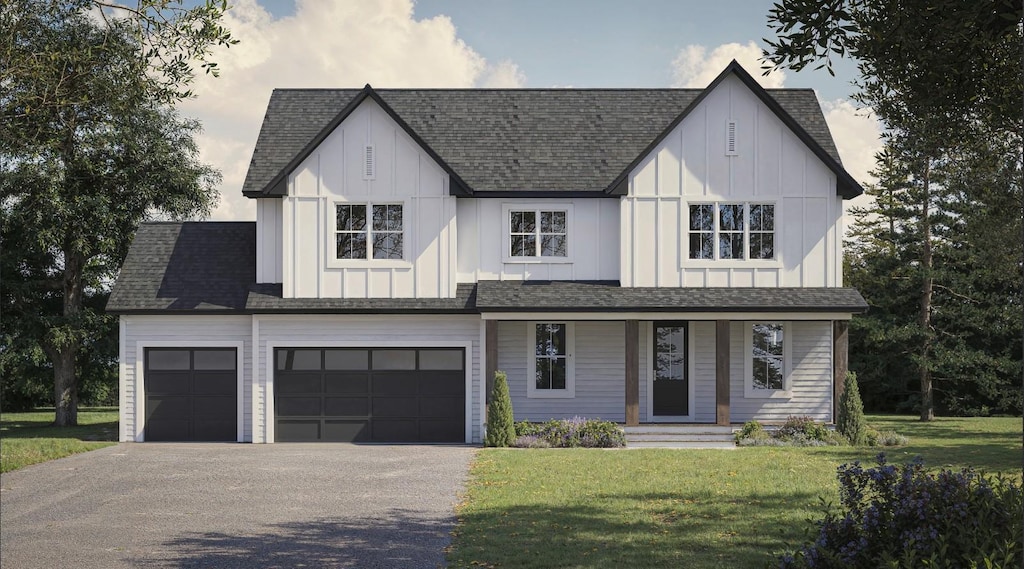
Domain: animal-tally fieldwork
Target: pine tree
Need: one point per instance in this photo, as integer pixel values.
(850, 422)
(501, 430)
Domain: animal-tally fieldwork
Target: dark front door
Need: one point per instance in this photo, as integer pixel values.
(386, 395)
(671, 389)
(191, 394)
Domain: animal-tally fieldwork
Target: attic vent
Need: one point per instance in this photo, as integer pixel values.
(369, 163)
(730, 138)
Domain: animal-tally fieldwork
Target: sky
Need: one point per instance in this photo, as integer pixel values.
(489, 43)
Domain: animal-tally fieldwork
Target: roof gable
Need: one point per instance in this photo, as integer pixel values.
(522, 142)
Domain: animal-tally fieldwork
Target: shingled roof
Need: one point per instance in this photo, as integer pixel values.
(210, 267)
(518, 140)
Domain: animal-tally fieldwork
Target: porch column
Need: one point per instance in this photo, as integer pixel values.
(840, 361)
(491, 355)
(722, 372)
(632, 373)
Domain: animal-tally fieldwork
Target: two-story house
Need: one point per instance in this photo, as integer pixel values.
(635, 255)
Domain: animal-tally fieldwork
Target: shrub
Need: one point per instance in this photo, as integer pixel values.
(804, 426)
(569, 433)
(850, 421)
(751, 430)
(501, 430)
(884, 438)
(531, 441)
(524, 428)
(903, 517)
(796, 432)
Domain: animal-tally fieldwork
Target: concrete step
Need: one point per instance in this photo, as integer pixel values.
(681, 429)
(681, 444)
(687, 437)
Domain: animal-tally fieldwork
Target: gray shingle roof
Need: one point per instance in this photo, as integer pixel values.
(608, 296)
(211, 267)
(500, 140)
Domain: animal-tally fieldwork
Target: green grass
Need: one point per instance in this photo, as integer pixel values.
(30, 438)
(683, 508)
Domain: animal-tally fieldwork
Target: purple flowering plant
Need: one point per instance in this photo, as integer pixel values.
(902, 516)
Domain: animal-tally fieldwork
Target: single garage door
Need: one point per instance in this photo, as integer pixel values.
(385, 395)
(191, 394)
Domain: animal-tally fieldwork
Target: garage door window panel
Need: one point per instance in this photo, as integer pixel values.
(442, 360)
(168, 360)
(223, 360)
(394, 359)
(356, 360)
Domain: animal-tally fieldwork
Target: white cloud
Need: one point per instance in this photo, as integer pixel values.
(695, 67)
(324, 44)
(858, 137)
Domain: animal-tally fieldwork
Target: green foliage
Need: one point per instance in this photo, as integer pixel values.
(501, 430)
(89, 148)
(796, 431)
(751, 430)
(570, 433)
(850, 421)
(904, 517)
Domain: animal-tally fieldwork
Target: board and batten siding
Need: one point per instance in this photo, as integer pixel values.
(600, 361)
(268, 240)
(771, 165)
(184, 332)
(316, 331)
(333, 174)
(484, 240)
(810, 373)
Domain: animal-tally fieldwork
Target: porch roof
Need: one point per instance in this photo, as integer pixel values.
(609, 296)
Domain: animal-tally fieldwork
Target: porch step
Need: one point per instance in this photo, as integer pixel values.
(679, 436)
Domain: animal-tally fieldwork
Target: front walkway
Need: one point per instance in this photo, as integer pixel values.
(234, 505)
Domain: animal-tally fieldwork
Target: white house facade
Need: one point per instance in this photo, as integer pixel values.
(640, 256)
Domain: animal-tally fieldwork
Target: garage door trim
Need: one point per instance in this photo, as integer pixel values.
(268, 369)
(140, 379)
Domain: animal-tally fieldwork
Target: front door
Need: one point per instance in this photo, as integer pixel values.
(671, 389)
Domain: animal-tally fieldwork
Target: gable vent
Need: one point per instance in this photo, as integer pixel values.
(730, 138)
(369, 163)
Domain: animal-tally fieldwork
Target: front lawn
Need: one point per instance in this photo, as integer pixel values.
(29, 438)
(683, 508)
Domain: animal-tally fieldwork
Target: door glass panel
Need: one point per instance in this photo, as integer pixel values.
(169, 359)
(347, 359)
(298, 359)
(670, 356)
(441, 359)
(215, 359)
(394, 359)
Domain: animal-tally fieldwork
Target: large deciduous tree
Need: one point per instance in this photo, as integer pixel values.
(944, 78)
(90, 146)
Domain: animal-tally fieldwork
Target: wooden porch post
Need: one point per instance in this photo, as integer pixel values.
(722, 372)
(491, 355)
(840, 361)
(632, 373)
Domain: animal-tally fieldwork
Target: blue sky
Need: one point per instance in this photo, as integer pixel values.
(488, 43)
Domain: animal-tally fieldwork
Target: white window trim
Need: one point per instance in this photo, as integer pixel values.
(748, 363)
(717, 262)
(331, 247)
(506, 239)
(531, 363)
(691, 370)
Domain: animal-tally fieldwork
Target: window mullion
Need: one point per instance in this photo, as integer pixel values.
(746, 231)
(715, 228)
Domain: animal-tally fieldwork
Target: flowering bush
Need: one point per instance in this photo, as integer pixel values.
(903, 517)
(531, 441)
(575, 432)
(796, 432)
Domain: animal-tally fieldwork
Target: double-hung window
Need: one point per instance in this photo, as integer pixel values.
(538, 233)
(550, 368)
(368, 231)
(743, 231)
(767, 360)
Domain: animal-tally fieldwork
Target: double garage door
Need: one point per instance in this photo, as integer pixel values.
(370, 395)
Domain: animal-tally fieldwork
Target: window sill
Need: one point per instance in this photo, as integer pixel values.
(552, 394)
(537, 260)
(730, 264)
(368, 264)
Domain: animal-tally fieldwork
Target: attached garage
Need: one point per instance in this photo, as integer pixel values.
(191, 394)
(384, 395)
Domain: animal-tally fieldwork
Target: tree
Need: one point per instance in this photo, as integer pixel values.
(942, 76)
(850, 422)
(501, 429)
(89, 147)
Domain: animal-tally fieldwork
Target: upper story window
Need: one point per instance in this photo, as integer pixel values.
(538, 233)
(368, 231)
(732, 231)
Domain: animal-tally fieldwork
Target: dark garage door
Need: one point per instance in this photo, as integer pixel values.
(191, 394)
(370, 395)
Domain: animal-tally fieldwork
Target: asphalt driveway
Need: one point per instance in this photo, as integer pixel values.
(234, 505)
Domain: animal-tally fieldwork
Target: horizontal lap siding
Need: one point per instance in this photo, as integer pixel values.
(703, 338)
(600, 373)
(407, 330)
(184, 331)
(810, 373)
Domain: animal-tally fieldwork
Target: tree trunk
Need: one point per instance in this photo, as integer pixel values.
(64, 348)
(927, 402)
